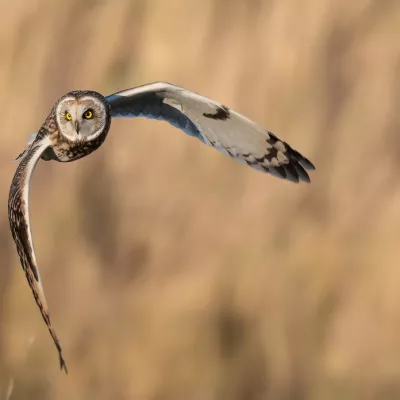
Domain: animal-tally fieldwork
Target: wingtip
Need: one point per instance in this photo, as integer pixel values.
(304, 162)
(307, 164)
(63, 365)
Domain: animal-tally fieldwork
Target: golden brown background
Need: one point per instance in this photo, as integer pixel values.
(173, 272)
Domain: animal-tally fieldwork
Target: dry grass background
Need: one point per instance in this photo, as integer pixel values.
(173, 272)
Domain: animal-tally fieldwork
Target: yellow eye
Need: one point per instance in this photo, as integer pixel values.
(68, 116)
(88, 114)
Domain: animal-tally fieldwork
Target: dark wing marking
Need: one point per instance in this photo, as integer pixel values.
(215, 125)
(221, 113)
(18, 214)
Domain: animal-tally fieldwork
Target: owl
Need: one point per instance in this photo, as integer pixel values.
(80, 121)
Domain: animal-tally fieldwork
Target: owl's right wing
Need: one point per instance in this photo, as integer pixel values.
(18, 214)
(214, 124)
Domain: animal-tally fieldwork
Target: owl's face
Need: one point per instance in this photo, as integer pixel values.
(82, 117)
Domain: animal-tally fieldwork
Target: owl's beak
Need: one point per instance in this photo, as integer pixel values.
(77, 127)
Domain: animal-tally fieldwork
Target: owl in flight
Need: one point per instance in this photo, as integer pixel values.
(79, 123)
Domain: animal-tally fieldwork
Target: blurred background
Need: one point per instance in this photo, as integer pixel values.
(173, 272)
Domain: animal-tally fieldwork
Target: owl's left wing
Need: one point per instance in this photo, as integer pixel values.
(18, 214)
(215, 125)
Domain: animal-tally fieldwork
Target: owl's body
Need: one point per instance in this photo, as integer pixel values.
(80, 121)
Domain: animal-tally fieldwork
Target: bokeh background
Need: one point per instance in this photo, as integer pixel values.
(173, 272)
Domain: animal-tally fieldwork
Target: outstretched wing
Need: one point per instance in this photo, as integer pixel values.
(18, 214)
(215, 125)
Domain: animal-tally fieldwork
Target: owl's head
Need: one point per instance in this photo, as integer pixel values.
(82, 115)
